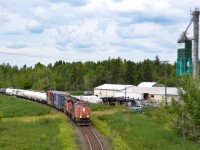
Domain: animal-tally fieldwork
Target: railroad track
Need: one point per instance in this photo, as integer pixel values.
(93, 140)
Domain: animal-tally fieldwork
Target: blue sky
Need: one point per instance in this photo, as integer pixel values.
(91, 30)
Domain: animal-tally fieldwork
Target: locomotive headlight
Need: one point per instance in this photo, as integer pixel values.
(83, 109)
(88, 116)
(80, 116)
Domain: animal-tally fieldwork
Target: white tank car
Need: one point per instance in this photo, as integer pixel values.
(16, 92)
(41, 96)
(29, 94)
(9, 91)
(34, 95)
(13, 92)
(20, 93)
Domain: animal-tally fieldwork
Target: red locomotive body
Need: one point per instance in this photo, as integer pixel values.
(78, 110)
(82, 113)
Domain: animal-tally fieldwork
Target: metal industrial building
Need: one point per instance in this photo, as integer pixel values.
(150, 84)
(150, 91)
(157, 94)
(111, 90)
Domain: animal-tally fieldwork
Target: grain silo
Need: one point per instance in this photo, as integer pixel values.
(184, 60)
(188, 57)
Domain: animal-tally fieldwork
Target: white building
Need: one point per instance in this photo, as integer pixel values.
(151, 91)
(112, 90)
(150, 84)
(155, 92)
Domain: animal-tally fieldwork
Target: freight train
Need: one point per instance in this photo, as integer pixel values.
(75, 108)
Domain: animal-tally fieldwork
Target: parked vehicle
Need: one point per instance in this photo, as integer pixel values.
(137, 107)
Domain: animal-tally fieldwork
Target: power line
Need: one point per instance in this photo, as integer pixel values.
(45, 57)
(26, 55)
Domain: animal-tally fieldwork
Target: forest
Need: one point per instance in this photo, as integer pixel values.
(79, 76)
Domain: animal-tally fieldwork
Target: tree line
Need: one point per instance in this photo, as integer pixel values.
(76, 76)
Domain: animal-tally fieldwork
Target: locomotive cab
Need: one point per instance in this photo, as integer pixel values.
(82, 113)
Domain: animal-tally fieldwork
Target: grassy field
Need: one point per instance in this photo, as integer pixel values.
(98, 107)
(28, 125)
(14, 107)
(125, 129)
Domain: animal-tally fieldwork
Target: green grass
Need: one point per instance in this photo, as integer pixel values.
(102, 107)
(32, 135)
(14, 107)
(112, 138)
(67, 136)
(33, 126)
(76, 92)
(137, 131)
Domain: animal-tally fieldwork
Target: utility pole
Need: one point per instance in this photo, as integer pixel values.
(165, 82)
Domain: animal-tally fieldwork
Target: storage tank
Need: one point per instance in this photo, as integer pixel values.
(29, 94)
(20, 93)
(41, 96)
(9, 91)
(184, 60)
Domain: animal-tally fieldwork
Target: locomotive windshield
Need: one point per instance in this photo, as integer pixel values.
(78, 105)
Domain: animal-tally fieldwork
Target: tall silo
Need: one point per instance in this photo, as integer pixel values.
(184, 60)
(188, 57)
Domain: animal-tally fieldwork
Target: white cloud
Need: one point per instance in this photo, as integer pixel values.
(17, 45)
(96, 29)
(42, 13)
(34, 26)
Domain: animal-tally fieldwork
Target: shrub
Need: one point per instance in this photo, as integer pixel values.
(148, 110)
(186, 114)
(76, 92)
(100, 107)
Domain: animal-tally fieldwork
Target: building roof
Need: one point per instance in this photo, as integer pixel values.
(114, 87)
(150, 84)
